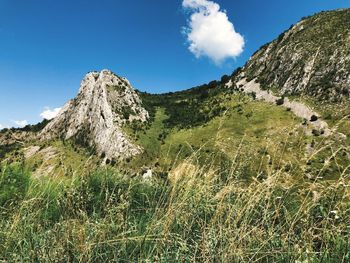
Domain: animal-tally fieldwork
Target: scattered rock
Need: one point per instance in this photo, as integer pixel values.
(298, 108)
(30, 151)
(148, 174)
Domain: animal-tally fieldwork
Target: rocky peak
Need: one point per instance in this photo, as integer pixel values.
(95, 117)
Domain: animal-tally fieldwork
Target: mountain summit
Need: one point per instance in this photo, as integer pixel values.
(95, 117)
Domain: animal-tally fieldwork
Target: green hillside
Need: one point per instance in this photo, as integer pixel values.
(234, 179)
(222, 176)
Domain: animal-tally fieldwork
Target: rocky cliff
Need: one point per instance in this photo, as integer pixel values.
(105, 102)
(312, 57)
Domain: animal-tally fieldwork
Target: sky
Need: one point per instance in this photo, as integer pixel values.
(47, 46)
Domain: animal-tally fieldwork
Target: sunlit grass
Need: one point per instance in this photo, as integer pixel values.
(199, 213)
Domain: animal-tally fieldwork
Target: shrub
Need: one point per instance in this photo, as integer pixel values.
(313, 118)
(328, 116)
(253, 94)
(225, 79)
(14, 182)
(280, 101)
(316, 132)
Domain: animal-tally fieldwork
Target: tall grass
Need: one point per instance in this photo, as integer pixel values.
(196, 214)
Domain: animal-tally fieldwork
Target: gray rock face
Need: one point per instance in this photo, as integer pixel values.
(312, 57)
(95, 117)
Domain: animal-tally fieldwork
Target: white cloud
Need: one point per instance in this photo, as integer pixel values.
(49, 114)
(21, 123)
(210, 33)
(4, 126)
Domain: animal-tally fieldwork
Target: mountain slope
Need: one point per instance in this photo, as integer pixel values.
(312, 57)
(135, 131)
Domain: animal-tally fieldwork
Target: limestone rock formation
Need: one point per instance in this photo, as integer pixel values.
(105, 102)
(312, 57)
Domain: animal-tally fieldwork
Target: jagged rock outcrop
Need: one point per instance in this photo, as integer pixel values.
(95, 117)
(312, 57)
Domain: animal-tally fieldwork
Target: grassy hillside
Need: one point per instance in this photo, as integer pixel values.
(196, 214)
(217, 124)
(234, 180)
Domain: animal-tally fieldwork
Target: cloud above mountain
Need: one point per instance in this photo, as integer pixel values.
(210, 33)
(2, 126)
(49, 114)
(21, 123)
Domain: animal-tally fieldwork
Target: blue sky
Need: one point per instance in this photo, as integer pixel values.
(47, 46)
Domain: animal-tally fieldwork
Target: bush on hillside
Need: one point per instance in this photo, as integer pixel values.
(313, 118)
(14, 183)
(280, 101)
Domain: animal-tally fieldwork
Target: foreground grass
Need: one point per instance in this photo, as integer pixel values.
(194, 215)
